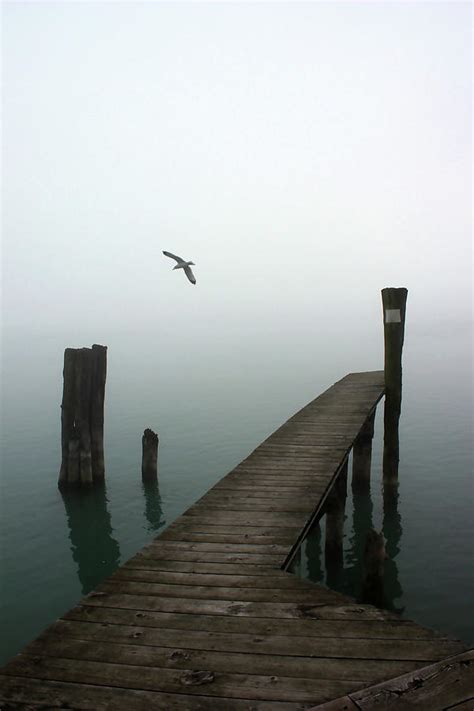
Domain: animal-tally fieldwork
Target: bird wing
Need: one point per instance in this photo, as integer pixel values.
(173, 256)
(190, 275)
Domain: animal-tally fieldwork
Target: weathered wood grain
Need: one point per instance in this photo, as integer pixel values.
(332, 622)
(31, 694)
(216, 684)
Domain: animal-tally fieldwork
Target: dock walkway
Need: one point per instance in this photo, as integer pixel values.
(205, 616)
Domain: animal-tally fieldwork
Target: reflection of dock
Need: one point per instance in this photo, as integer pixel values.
(205, 618)
(94, 550)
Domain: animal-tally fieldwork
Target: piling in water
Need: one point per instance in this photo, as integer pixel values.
(394, 307)
(362, 456)
(334, 509)
(149, 455)
(82, 415)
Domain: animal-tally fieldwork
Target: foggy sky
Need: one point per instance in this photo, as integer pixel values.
(302, 155)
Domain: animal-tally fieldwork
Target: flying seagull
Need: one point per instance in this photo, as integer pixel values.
(182, 264)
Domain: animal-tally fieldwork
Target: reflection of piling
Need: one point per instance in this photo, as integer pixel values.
(94, 549)
(374, 560)
(153, 510)
(149, 455)
(361, 525)
(362, 456)
(394, 306)
(313, 554)
(82, 415)
(334, 509)
(392, 530)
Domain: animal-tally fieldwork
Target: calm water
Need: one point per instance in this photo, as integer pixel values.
(210, 410)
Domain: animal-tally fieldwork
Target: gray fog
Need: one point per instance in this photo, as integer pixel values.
(302, 155)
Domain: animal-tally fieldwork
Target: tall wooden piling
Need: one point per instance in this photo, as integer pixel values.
(82, 415)
(362, 456)
(149, 455)
(394, 306)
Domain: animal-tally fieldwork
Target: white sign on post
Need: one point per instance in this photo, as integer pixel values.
(392, 316)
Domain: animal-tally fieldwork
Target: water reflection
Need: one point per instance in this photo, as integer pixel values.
(392, 530)
(348, 577)
(313, 554)
(153, 509)
(94, 549)
(362, 523)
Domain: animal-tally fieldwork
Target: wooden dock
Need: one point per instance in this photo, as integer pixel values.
(205, 617)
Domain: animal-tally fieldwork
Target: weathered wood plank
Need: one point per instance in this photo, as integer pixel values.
(19, 692)
(283, 581)
(234, 607)
(436, 686)
(467, 705)
(164, 544)
(190, 535)
(312, 653)
(334, 622)
(236, 686)
(252, 594)
(213, 557)
(227, 529)
(199, 566)
(279, 520)
(247, 504)
(173, 654)
(344, 703)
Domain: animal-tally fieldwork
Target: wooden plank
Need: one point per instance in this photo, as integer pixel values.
(237, 607)
(235, 686)
(315, 651)
(334, 622)
(467, 705)
(164, 545)
(268, 495)
(213, 557)
(176, 653)
(195, 592)
(226, 529)
(245, 505)
(284, 581)
(450, 681)
(278, 520)
(344, 703)
(190, 535)
(19, 692)
(264, 493)
(237, 568)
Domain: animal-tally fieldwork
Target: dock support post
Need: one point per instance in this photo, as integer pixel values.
(82, 415)
(335, 505)
(149, 455)
(362, 456)
(394, 306)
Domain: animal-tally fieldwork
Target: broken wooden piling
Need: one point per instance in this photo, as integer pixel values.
(82, 415)
(149, 455)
